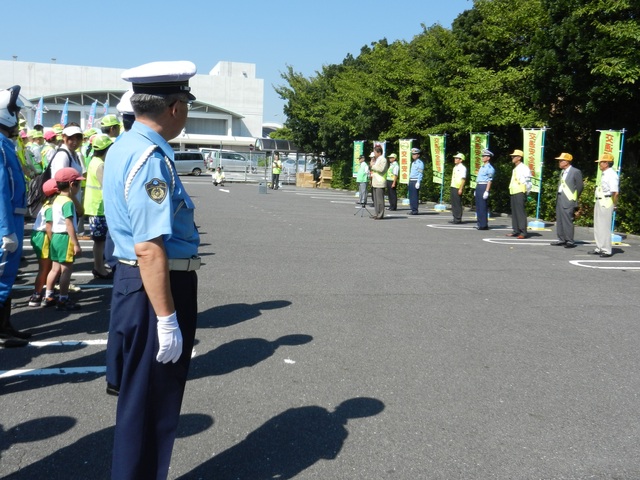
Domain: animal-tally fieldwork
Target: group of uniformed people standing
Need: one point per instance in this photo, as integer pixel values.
(570, 187)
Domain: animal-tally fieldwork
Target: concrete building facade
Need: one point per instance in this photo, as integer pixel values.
(228, 111)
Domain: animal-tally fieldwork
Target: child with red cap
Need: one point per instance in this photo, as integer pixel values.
(64, 245)
(40, 240)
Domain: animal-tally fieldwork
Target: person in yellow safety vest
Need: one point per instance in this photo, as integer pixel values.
(458, 178)
(607, 190)
(49, 149)
(378, 182)
(519, 188)
(392, 182)
(218, 177)
(94, 204)
(569, 189)
(37, 142)
(276, 168)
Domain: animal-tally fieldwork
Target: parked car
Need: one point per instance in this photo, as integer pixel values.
(189, 162)
(229, 160)
(291, 167)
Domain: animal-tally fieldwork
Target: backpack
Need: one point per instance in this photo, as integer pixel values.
(35, 195)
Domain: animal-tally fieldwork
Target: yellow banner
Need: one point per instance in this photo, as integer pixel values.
(533, 145)
(404, 162)
(479, 141)
(437, 157)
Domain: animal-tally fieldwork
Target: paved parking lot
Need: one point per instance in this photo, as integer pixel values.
(332, 346)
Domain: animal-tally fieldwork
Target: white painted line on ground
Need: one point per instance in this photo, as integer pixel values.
(539, 242)
(84, 286)
(68, 343)
(224, 190)
(29, 372)
(73, 274)
(607, 264)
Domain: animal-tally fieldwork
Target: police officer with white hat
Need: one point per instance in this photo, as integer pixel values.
(154, 300)
(13, 206)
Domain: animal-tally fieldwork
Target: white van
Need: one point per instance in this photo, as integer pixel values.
(229, 160)
(189, 162)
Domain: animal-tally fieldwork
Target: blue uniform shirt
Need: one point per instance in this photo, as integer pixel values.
(417, 167)
(13, 190)
(486, 173)
(156, 202)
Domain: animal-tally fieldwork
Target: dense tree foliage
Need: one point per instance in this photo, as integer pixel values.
(570, 65)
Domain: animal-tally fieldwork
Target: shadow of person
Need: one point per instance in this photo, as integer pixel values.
(34, 430)
(90, 456)
(234, 313)
(288, 443)
(238, 354)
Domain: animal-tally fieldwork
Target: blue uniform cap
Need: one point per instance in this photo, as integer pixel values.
(161, 78)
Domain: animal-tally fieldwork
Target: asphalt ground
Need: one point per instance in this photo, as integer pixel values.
(332, 346)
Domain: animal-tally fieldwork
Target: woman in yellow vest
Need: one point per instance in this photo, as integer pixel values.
(94, 204)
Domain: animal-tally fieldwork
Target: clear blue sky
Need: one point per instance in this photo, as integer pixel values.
(305, 35)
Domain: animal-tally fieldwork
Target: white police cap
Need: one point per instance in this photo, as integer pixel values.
(161, 78)
(124, 106)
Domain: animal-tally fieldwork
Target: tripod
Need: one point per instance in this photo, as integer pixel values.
(362, 209)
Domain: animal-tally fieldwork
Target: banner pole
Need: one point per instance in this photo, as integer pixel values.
(537, 223)
(617, 239)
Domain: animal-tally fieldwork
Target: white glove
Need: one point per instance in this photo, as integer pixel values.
(417, 185)
(10, 243)
(169, 338)
(485, 195)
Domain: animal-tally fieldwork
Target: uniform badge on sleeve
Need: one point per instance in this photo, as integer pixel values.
(157, 190)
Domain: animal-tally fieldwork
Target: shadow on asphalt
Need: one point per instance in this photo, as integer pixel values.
(238, 354)
(287, 444)
(234, 313)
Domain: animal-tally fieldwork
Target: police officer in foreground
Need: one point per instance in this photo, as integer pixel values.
(13, 206)
(154, 302)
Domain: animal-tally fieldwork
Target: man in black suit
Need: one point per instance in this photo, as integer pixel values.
(569, 189)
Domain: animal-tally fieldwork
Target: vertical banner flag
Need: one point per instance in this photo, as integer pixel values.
(610, 142)
(106, 108)
(92, 114)
(65, 113)
(533, 144)
(405, 161)
(39, 112)
(437, 157)
(479, 141)
(358, 149)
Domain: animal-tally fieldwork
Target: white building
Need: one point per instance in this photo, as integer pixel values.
(227, 113)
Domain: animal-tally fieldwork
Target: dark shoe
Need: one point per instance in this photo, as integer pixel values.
(67, 305)
(570, 245)
(482, 228)
(12, 332)
(605, 255)
(511, 235)
(35, 300)
(8, 341)
(594, 252)
(97, 274)
(48, 302)
(113, 390)
(558, 243)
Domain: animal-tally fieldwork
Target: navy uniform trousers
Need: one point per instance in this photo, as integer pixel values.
(482, 207)
(150, 392)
